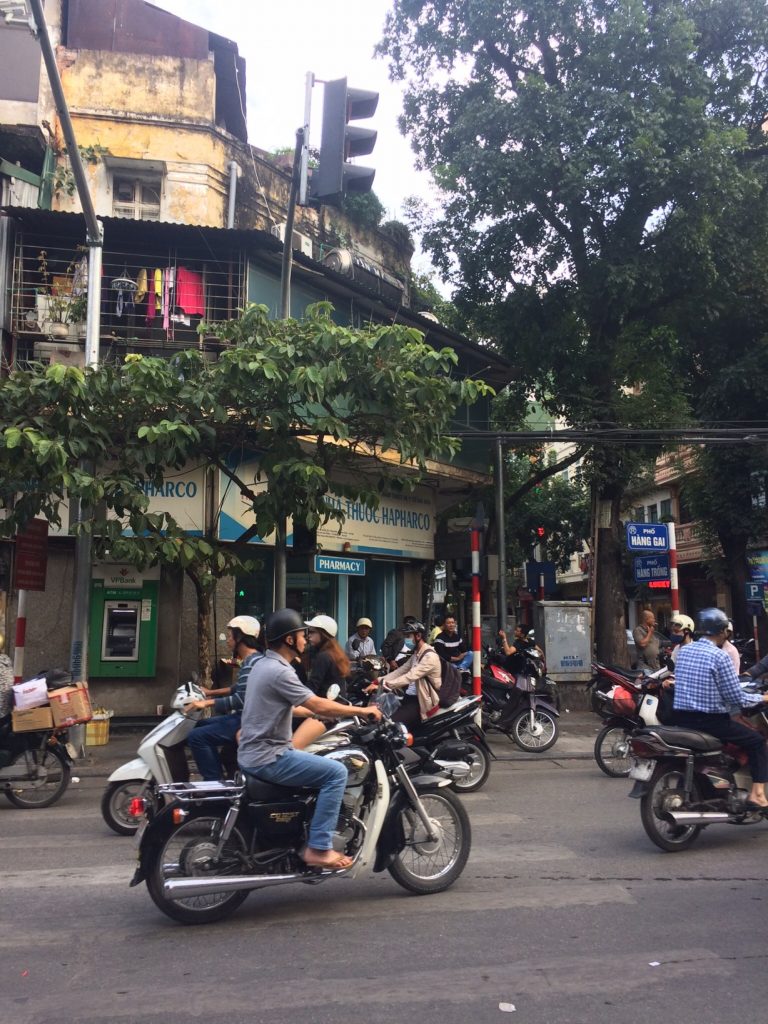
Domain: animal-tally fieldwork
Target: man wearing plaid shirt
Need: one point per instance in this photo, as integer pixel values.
(706, 685)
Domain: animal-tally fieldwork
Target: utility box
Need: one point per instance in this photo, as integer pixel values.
(123, 634)
(563, 631)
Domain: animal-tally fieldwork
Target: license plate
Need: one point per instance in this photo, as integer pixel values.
(641, 769)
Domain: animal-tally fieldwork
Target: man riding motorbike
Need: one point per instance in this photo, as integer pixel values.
(706, 685)
(265, 750)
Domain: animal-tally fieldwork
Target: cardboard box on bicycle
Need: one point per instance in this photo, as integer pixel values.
(70, 705)
(31, 719)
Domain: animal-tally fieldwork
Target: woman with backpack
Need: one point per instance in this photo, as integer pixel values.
(420, 676)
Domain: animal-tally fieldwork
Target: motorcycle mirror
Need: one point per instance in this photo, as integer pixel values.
(333, 691)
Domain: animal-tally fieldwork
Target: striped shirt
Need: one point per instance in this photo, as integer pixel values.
(449, 645)
(706, 681)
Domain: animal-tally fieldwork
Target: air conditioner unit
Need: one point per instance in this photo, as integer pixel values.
(301, 242)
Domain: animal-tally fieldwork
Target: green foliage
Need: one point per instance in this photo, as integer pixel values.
(310, 397)
(364, 208)
(398, 232)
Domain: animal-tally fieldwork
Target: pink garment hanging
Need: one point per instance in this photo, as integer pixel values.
(189, 292)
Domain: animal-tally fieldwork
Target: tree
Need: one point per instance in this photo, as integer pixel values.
(581, 146)
(310, 397)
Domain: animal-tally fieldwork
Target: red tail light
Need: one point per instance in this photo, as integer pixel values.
(136, 807)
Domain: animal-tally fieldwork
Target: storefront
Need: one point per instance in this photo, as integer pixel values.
(369, 565)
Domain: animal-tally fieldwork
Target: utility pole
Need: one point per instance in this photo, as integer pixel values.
(95, 238)
(501, 537)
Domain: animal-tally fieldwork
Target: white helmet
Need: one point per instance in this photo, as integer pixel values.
(364, 622)
(683, 621)
(324, 622)
(249, 627)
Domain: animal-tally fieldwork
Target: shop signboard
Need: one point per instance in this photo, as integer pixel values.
(402, 526)
(337, 565)
(31, 561)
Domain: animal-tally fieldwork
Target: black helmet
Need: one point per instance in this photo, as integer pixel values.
(281, 623)
(711, 621)
(413, 627)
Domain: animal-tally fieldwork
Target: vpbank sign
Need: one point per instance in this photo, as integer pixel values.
(338, 566)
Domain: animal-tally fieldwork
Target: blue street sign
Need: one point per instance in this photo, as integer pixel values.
(647, 537)
(337, 565)
(755, 591)
(651, 567)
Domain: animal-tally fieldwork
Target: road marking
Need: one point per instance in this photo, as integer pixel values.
(494, 818)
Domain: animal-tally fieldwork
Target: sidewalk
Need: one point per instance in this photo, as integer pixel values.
(576, 741)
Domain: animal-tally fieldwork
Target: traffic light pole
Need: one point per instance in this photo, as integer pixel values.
(281, 541)
(501, 537)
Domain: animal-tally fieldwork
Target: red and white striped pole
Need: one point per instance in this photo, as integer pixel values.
(674, 593)
(21, 635)
(476, 627)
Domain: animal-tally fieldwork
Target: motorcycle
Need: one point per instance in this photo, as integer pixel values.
(162, 759)
(454, 736)
(35, 767)
(514, 702)
(687, 780)
(215, 842)
(627, 701)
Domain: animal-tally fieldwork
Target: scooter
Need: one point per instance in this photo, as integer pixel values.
(161, 760)
(687, 780)
(627, 701)
(512, 703)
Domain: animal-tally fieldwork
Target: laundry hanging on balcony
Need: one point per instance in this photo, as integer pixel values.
(126, 288)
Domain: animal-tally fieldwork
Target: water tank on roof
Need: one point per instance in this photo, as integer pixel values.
(366, 273)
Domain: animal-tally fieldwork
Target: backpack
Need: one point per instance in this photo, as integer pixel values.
(392, 644)
(450, 684)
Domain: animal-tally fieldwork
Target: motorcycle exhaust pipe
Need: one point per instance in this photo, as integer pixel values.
(456, 769)
(698, 817)
(180, 888)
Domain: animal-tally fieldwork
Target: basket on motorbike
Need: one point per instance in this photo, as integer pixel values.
(619, 700)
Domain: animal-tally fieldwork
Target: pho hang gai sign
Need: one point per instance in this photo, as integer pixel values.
(403, 526)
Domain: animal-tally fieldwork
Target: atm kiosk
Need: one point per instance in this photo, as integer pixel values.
(123, 635)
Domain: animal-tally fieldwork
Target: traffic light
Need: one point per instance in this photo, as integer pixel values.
(333, 176)
(541, 533)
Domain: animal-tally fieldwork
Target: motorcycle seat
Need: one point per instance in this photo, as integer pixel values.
(258, 789)
(676, 736)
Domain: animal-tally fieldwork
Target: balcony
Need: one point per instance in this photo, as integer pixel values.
(690, 546)
(673, 466)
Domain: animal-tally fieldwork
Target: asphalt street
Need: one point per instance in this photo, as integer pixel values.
(565, 914)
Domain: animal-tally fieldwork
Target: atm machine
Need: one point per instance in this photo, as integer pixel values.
(123, 635)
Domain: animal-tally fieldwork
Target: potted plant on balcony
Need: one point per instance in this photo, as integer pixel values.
(61, 304)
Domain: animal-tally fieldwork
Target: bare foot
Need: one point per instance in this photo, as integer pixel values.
(328, 859)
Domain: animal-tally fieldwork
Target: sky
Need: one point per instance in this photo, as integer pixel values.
(281, 41)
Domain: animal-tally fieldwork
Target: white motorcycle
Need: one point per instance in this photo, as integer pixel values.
(161, 760)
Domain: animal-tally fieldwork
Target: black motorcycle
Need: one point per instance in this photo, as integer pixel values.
(454, 737)
(213, 842)
(519, 700)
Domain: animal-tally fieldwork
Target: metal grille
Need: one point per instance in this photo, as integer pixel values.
(198, 284)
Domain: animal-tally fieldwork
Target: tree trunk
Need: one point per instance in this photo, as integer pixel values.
(610, 628)
(735, 551)
(203, 629)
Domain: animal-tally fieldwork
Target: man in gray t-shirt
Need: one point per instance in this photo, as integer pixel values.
(265, 749)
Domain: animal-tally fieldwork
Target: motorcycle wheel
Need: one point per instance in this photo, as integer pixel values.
(187, 853)
(479, 770)
(664, 794)
(612, 751)
(425, 866)
(527, 739)
(48, 775)
(116, 801)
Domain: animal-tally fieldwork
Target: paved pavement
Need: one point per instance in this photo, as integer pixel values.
(576, 741)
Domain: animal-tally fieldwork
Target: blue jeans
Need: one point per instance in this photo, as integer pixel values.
(298, 768)
(206, 738)
(466, 661)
